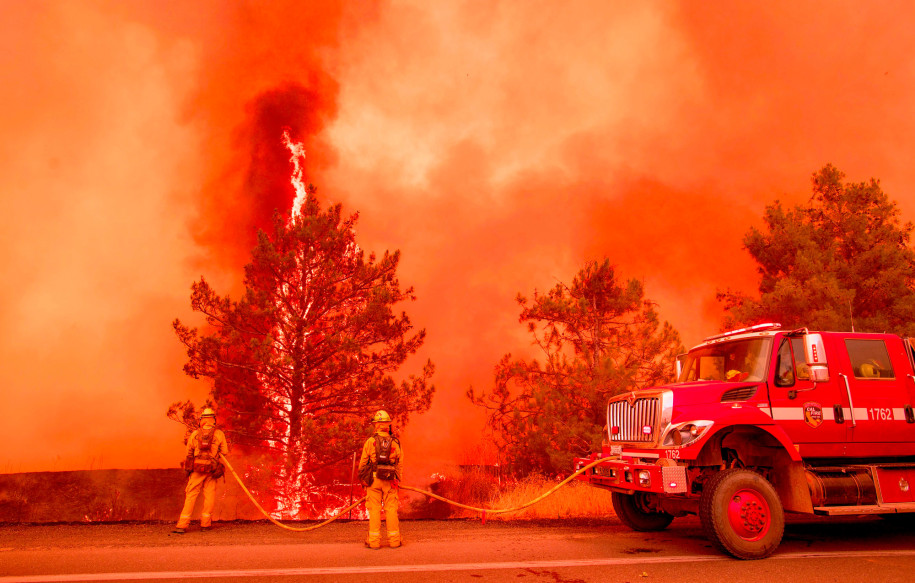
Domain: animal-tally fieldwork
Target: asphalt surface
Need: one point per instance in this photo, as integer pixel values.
(813, 550)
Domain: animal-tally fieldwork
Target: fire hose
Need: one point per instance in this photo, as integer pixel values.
(483, 511)
(277, 522)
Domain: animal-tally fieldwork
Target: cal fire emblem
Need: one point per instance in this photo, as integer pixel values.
(813, 414)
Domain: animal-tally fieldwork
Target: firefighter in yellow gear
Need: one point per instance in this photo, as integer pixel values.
(204, 447)
(382, 492)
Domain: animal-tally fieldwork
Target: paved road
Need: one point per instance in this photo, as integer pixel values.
(866, 549)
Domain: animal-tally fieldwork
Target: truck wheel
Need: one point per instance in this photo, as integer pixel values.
(741, 514)
(634, 513)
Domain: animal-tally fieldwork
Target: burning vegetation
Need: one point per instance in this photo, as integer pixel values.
(302, 359)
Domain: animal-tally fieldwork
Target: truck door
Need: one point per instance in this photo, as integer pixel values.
(874, 370)
(813, 414)
(909, 410)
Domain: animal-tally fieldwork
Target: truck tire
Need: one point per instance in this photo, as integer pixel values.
(632, 512)
(741, 514)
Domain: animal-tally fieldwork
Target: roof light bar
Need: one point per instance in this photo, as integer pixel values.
(756, 328)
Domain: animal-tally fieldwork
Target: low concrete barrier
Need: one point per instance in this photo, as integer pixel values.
(110, 495)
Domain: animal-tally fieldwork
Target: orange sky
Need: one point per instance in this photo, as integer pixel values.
(498, 147)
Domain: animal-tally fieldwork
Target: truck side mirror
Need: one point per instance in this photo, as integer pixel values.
(815, 354)
(680, 359)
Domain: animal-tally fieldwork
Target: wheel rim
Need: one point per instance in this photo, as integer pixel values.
(748, 513)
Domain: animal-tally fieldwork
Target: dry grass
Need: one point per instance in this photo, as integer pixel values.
(474, 487)
(574, 500)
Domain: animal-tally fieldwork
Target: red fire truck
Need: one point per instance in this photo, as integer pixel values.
(763, 421)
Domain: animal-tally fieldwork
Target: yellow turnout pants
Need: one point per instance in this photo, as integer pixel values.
(195, 483)
(382, 492)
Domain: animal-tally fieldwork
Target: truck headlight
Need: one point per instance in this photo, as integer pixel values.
(685, 433)
(644, 478)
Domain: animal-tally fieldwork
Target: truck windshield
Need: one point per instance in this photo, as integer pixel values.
(735, 361)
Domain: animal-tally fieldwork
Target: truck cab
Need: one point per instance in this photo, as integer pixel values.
(761, 421)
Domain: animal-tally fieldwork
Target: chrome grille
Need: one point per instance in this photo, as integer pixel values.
(632, 418)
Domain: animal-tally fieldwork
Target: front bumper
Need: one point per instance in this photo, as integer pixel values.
(631, 472)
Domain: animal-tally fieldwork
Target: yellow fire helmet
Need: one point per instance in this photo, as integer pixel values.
(208, 413)
(381, 417)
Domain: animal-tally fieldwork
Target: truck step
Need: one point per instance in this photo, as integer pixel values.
(874, 509)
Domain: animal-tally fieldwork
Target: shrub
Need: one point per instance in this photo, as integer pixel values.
(475, 486)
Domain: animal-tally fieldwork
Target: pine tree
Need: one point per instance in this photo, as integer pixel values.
(598, 338)
(842, 261)
(301, 361)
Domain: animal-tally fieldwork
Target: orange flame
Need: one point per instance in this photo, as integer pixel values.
(297, 157)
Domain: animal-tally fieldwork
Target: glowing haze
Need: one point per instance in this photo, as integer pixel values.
(498, 145)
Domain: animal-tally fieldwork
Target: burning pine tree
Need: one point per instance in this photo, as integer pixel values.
(300, 362)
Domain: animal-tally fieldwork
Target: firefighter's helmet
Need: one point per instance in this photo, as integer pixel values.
(381, 417)
(208, 413)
